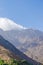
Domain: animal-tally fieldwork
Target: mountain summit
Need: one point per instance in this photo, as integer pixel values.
(7, 24)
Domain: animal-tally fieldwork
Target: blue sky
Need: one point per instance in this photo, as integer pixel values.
(28, 13)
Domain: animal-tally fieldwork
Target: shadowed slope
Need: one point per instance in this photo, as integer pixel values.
(15, 51)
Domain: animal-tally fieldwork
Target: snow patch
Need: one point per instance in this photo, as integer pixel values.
(7, 24)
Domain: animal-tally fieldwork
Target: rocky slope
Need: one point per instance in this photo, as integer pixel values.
(7, 50)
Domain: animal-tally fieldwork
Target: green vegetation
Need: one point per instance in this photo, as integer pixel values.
(14, 62)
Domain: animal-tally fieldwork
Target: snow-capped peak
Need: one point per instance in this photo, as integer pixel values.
(7, 24)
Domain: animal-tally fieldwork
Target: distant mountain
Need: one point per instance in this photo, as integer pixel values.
(29, 41)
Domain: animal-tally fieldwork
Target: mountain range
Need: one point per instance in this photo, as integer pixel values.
(28, 41)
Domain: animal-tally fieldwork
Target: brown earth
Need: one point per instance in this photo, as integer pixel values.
(6, 55)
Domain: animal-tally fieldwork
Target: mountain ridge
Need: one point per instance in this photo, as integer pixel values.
(28, 41)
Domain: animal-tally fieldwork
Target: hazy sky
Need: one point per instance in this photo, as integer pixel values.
(28, 13)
